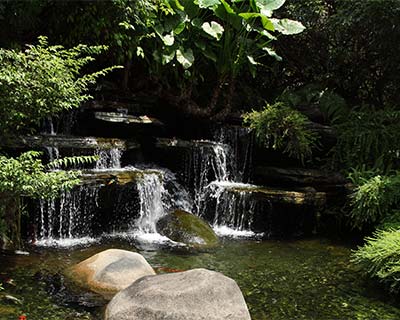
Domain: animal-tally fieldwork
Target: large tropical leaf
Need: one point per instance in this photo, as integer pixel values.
(267, 6)
(266, 22)
(208, 3)
(214, 29)
(185, 57)
(287, 26)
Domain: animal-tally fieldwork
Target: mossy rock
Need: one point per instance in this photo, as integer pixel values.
(182, 226)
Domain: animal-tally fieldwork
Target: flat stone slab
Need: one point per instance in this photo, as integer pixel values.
(118, 176)
(117, 117)
(299, 197)
(197, 294)
(110, 271)
(64, 141)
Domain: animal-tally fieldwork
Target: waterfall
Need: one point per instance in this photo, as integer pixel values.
(234, 208)
(53, 153)
(68, 217)
(108, 159)
(241, 141)
(216, 171)
(151, 192)
(207, 162)
(159, 193)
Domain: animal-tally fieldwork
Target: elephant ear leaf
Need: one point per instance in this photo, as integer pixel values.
(206, 4)
(287, 26)
(185, 57)
(267, 6)
(214, 29)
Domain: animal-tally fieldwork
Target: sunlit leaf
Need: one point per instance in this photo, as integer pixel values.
(214, 29)
(287, 26)
(267, 6)
(168, 39)
(208, 3)
(185, 57)
(272, 53)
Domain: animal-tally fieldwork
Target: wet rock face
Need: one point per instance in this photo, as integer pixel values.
(197, 294)
(182, 226)
(110, 271)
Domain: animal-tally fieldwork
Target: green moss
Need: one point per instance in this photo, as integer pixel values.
(181, 226)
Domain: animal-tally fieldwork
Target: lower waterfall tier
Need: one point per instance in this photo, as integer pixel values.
(132, 200)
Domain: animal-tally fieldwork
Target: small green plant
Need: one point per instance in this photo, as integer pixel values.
(373, 199)
(379, 258)
(281, 127)
(42, 81)
(27, 177)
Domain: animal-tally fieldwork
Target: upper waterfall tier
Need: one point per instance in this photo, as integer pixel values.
(67, 141)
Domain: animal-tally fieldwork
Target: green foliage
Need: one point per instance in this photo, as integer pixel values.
(373, 199)
(280, 127)
(390, 221)
(41, 81)
(380, 258)
(333, 106)
(72, 161)
(26, 176)
(340, 33)
(369, 138)
(229, 35)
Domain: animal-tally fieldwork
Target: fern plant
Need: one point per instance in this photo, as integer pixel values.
(379, 258)
(282, 128)
(369, 138)
(72, 161)
(373, 199)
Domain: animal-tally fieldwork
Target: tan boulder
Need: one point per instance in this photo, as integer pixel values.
(110, 271)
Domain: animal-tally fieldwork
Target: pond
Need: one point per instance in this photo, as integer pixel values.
(299, 279)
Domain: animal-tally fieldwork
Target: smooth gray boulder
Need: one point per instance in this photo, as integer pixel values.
(110, 271)
(197, 294)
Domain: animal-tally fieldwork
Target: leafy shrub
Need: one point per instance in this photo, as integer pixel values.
(369, 138)
(380, 257)
(281, 127)
(373, 199)
(41, 81)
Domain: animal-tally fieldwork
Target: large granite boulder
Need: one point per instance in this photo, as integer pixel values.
(110, 271)
(182, 226)
(197, 294)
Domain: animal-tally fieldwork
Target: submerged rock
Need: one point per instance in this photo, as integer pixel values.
(110, 271)
(197, 294)
(182, 226)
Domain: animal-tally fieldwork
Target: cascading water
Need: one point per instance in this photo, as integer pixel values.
(151, 192)
(108, 159)
(207, 162)
(216, 171)
(53, 153)
(69, 217)
(159, 192)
